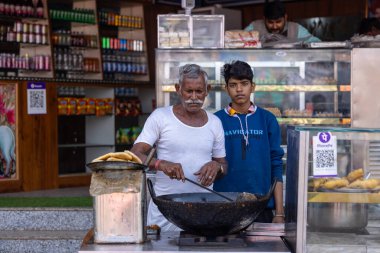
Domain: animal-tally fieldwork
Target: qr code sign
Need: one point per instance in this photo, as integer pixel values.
(36, 94)
(36, 98)
(324, 159)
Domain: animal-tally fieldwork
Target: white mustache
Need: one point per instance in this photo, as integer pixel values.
(193, 101)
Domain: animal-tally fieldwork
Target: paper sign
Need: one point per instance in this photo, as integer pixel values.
(36, 96)
(325, 155)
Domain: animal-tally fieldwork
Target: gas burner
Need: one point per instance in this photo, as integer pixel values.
(232, 240)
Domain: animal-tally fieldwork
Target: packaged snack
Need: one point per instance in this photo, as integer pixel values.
(109, 106)
(121, 107)
(62, 106)
(100, 107)
(81, 106)
(91, 106)
(72, 106)
(242, 39)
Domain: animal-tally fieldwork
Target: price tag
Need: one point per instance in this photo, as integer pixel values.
(325, 155)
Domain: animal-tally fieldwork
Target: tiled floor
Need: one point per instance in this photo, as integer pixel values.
(68, 192)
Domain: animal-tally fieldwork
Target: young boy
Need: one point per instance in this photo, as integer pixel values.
(252, 140)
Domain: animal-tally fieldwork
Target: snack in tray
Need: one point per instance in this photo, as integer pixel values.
(336, 183)
(364, 184)
(316, 183)
(355, 174)
(242, 39)
(126, 156)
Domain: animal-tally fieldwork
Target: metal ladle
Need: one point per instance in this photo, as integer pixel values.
(149, 156)
(210, 190)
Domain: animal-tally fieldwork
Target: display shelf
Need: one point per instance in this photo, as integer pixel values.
(123, 41)
(25, 39)
(315, 83)
(314, 121)
(8, 18)
(275, 87)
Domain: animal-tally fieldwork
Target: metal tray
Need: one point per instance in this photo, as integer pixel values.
(345, 190)
(115, 165)
(329, 44)
(366, 43)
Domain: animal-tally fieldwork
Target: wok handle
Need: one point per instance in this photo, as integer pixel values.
(150, 187)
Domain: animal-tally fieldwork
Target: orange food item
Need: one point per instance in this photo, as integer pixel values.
(72, 106)
(100, 107)
(81, 106)
(62, 106)
(91, 106)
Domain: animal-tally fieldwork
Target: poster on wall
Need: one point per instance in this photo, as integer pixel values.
(7, 131)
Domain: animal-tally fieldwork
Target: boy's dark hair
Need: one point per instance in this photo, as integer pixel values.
(237, 69)
(274, 10)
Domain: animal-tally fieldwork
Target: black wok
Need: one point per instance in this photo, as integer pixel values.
(207, 213)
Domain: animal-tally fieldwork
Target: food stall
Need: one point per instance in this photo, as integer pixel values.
(301, 86)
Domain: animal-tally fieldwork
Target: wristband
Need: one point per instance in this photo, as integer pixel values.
(156, 164)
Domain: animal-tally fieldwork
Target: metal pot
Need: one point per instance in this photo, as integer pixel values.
(339, 217)
(207, 213)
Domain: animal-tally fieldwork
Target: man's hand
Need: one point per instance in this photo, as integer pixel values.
(172, 170)
(208, 172)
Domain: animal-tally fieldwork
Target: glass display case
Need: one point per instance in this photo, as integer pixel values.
(300, 86)
(332, 199)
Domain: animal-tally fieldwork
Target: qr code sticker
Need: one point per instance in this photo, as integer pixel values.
(324, 159)
(36, 98)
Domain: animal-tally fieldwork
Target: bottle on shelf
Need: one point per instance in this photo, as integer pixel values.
(2, 10)
(8, 7)
(29, 8)
(18, 4)
(39, 13)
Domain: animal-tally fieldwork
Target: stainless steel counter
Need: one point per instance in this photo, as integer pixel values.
(167, 242)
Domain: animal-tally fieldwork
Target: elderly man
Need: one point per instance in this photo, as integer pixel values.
(189, 142)
(275, 26)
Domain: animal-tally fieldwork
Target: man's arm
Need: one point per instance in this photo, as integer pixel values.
(172, 170)
(304, 33)
(141, 150)
(250, 27)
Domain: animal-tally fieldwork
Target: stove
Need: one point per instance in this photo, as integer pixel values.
(232, 240)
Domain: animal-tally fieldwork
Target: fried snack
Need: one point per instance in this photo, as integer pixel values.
(126, 156)
(355, 174)
(318, 182)
(364, 184)
(103, 157)
(122, 155)
(135, 158)
(114, 159)
(335, 183)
